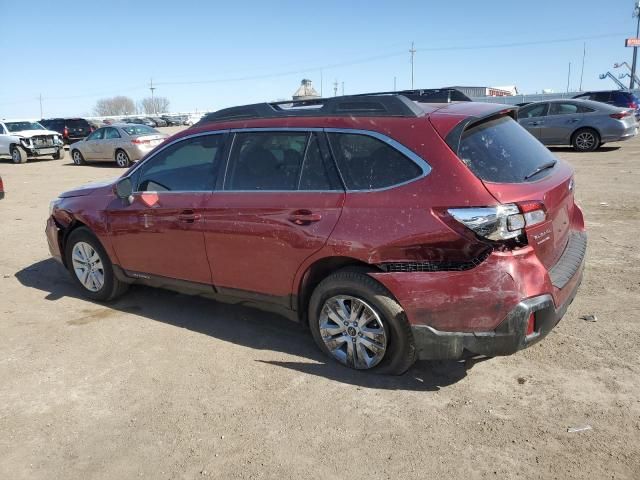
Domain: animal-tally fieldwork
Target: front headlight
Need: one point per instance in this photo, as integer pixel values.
(52, 205)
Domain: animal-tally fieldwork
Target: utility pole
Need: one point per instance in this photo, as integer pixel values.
(412, 52)
(321, 83)
(568, 77)
(636, 14)
(343, 89)
(584, 54)
(394, 85)
(153, 102)
(40, 97)
(335, 88)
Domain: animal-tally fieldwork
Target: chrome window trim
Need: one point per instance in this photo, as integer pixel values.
(410, 154)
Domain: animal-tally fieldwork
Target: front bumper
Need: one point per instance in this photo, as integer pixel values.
(43, 151)
(52, 232)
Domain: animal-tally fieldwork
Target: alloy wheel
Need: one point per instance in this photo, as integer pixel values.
(122, 159)
(353, 332)
(585, 141)
(76, 157)
(88, 267)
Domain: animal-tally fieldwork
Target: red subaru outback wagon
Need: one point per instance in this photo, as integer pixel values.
(395, 229)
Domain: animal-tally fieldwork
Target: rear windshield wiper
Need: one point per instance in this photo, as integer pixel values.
(541, 168)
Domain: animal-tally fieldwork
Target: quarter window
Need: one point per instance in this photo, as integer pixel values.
(190, 165)
(367, 163)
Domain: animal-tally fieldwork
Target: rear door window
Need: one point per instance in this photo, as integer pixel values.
(111, 133)
(367, 163)
(563, 108)
(502, 151)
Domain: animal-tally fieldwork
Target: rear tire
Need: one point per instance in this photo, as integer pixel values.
(59, 154)
(90, 267)
(122, 159)
(77, 158)
(376, 303)
(585, 140)
(18, 154)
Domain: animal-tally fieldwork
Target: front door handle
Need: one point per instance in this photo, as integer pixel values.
(189, 216)
(304, 217)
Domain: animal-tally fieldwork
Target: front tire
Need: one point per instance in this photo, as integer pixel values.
(77, 158)
(90, 267)
(585, 140)
(122, 159)
(356, 321)
(59, 154)
(18, 154)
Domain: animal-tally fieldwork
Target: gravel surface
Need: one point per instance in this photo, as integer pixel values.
(162, 385)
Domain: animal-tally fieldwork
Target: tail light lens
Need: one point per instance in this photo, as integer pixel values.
(65, 132)
(1, 185)
(140, 141)
(620, 115)
(502, 222)
(633, 105)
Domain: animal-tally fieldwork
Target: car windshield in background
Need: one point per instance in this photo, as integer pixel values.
(20, 126)
(502, 151)
(134, 130)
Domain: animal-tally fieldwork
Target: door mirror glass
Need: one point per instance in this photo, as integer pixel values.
(124, 188)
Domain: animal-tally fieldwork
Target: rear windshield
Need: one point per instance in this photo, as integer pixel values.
(502, 151)
(20, 126)
(134, 130)
(77, 123)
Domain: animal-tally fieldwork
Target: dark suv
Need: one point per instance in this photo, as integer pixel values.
(394, 229)
(619, 98)
(72, 129)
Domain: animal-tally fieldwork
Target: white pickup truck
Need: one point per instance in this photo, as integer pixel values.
(23, 139)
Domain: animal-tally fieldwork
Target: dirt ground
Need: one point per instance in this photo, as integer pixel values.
(167, 386)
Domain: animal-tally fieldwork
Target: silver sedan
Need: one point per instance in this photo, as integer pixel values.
(584, 124)
(120, 143)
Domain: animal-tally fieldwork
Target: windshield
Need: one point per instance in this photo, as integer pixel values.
(502, 151)
(20, 126)
(134, 130)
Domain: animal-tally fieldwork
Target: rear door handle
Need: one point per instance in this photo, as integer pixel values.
(189, 216)
(535, 124)
(304, 217)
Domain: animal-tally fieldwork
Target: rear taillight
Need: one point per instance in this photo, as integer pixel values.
(620, 115)
(139, 141)
(65, 132)
(633, 105)
(1, 185)
(531, 324)
(501, 222)
(91, 129)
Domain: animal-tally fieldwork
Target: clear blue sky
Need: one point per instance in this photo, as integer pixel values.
(74, 53)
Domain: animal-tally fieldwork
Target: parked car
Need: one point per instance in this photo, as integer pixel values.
(618, 98)
(72, 129)
(24, 139)
(584, 124)
(395, 230)
(120, 143)
(160, 122)
(1, 189)
(141, 121)
(172, 120)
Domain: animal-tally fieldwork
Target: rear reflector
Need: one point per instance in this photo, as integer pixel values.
(531, 325)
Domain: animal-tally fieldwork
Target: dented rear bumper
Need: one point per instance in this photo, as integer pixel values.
(486, 310)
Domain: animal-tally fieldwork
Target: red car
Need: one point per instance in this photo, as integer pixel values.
(394, 229)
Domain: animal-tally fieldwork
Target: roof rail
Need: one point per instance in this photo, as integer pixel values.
(430, 95)
(375, 105)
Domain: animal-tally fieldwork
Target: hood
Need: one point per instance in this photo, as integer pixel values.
(89, 188)
(33, 133)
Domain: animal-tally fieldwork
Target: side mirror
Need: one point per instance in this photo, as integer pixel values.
(124, 189)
